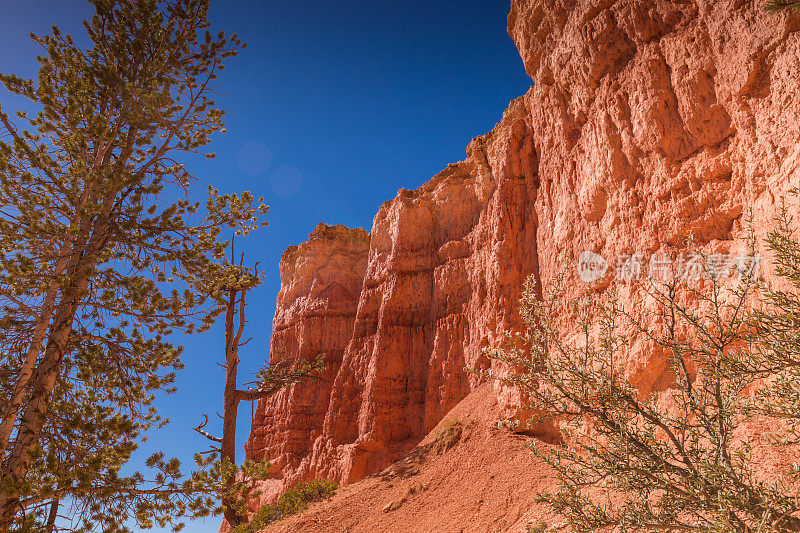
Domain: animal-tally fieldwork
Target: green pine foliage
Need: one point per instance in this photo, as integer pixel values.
(103, 257)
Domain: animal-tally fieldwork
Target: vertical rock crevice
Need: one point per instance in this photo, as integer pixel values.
(439, 282)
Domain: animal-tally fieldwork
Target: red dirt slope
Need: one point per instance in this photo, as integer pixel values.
(452, 482)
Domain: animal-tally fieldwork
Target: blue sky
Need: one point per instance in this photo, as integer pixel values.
(331, 109)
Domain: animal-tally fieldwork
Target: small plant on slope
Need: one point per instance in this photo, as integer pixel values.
(291, 502)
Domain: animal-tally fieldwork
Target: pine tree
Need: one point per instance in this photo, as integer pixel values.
(230, 286)
(98, 265)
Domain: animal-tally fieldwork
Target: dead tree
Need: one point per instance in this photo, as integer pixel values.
(232, 289)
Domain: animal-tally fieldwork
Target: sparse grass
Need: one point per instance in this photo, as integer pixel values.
(291, 502)
(447, 435)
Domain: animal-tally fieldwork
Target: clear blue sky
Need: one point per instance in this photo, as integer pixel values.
(331, 109)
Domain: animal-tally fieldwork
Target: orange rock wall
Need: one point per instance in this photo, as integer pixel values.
(439, 274)
(648, 121)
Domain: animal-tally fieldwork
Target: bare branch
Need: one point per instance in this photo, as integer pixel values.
(206, 434)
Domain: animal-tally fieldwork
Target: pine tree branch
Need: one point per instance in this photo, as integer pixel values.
(80, 491)
(34, 158)
(204, 433)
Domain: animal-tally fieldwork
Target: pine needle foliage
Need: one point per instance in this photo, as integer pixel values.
(103, 256)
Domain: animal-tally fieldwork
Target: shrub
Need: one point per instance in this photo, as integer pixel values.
(293, 501)
(447, 435)
(540, 527)
(670, 460)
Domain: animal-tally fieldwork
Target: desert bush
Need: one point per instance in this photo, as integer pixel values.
(672, 459)
(447, 435)
(291, 502)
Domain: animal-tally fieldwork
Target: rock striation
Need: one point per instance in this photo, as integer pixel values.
(315, 311)
(647, 122)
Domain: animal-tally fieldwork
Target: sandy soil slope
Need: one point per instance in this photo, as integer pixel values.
(452, 482)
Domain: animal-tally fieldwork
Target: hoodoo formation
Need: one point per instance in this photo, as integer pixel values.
(646, 122)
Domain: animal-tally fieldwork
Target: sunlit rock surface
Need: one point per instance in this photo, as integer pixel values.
(647, 122)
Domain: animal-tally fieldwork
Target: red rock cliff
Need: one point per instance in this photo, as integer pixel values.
(438, 276)
(647, 122)
(321, 281)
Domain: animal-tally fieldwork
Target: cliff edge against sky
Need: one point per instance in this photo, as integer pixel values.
(647, 122)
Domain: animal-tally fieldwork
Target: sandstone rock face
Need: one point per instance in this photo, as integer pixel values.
(654, 121)
(320, 286)
(436, 280)
(647, 122)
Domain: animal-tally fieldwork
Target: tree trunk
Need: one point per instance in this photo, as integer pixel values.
(50, 526)
(78, 263)
(11, 410)
(231, 399)
(16, 465)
